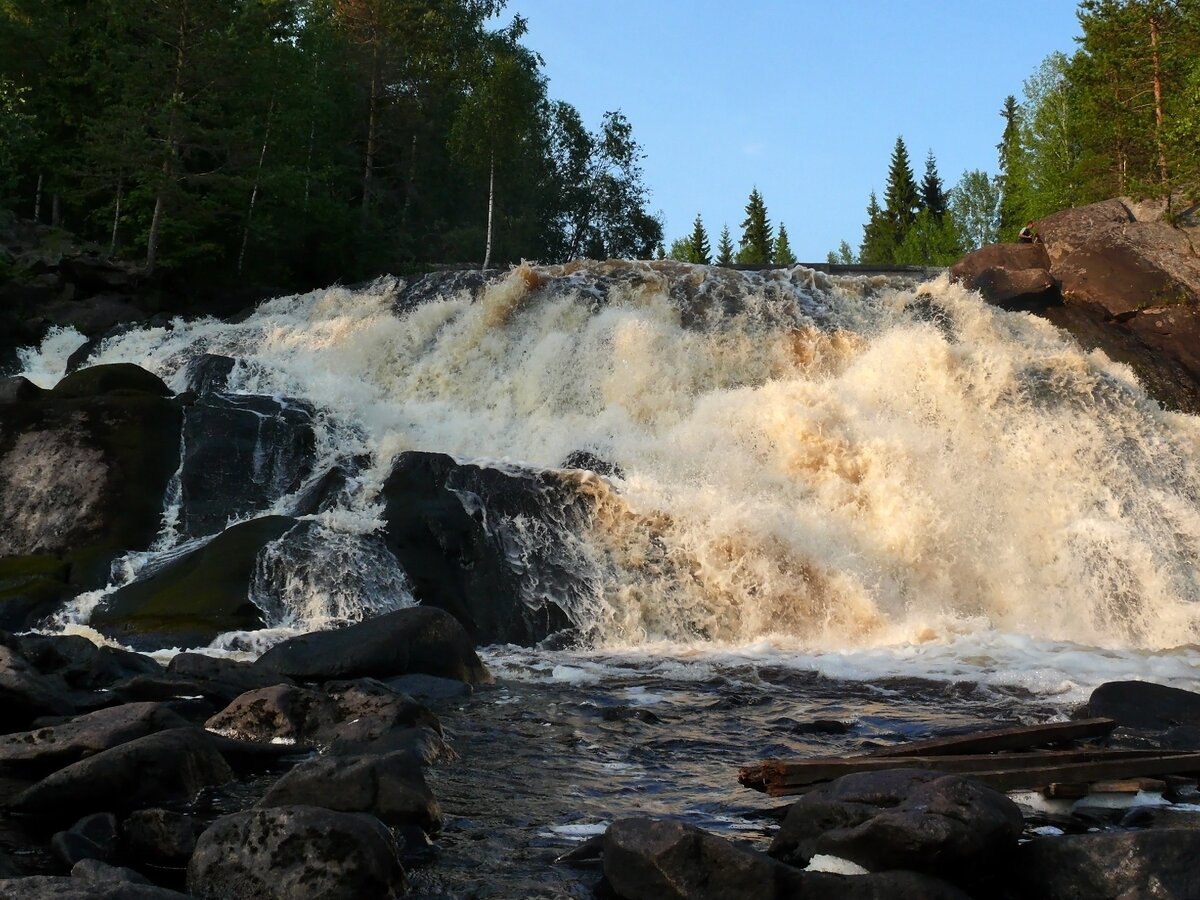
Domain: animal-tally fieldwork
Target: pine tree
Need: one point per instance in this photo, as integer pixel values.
(725, 248)
(701, 252)
(933, 195)
(783, 254)
(901, 200)
(757, 243)
(1014, 172)
(878, 244)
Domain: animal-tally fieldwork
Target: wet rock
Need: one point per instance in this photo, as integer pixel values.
(421, 745)
(1159, 863)
(99, 873)
(416, 640)
(1012, 276)
(168, 766)
(1144, 705)
(429, 687)
(209, 373)
(83, 664)
(31, 588)
(221, 678)
(195, 597)
(26, 694)
(296, 853)
(91, 887)
(240, 454)
(585, 459)
(438, 285)
(16, 388)
(92, 837)
(389, 787)
(902, 818)
(352, 711)
(160, 836)
(96, 381)
(649, 860)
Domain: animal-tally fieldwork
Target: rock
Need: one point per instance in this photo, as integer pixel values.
(1159, 864)
(84, 469)
(389, 787)
(31, 588)
(421, 745)
(240, 454)
(160, 836)
(1144, 705)
(83, 664)
(422, 640)
(60, 888)
(296, 853)
(92, 837)
(649, 860)
(96, 872)
(429, 687)
(16, 388)
(209, 373)
(197, 596)
(222, 678)
(585, 459)
(47, 749)
(168, 766)
(1065, 232)
(26, 694)
(925, 821)
(1012, 276)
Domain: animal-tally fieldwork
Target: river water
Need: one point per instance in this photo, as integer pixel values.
(831, 500)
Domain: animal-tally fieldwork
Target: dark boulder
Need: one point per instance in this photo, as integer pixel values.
(1012, 276)
(209, 373)
(945, 825)
(351, 711)
(92, 837)
(422, 745)
(159, 836)
(649, 860)
(1158, 864)
(168, 766)
(31, 589)
(83, 664)
(1144, 705)
(90, 886)
(195, 597)
(17, 388)
(240, 454)
(26, 694)
(296, 853)
(221, 678)
(419, 639)
(96, 381)
(463, 535)
(389, 787)
(585, 459)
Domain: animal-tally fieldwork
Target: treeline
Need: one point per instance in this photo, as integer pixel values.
(296, 142)
(759, 244)
(1120, 117)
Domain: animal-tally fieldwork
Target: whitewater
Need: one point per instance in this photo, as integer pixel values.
(861, 477)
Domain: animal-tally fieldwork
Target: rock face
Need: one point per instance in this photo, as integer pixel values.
(1130, 288)
(649, 860)
(415, 640)
(296, 853)
(84, 468)
(1144, 705)
(945, 825)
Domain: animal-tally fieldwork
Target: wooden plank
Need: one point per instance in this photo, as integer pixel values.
(1036, 778)
(1018, 737)
(811, 771)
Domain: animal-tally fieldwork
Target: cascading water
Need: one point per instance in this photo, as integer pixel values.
(820, 468)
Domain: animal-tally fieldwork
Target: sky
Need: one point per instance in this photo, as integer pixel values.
(803, 100)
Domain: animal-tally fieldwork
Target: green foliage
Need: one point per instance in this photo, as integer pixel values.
(18, 133)
(975, 209)
(844, 256)
(879, 244)
(932, 195)
(701, 252)
(1015, 187)
(725, 248)
(757, 242)
(782, 254)
(930, 242)
(901, 200)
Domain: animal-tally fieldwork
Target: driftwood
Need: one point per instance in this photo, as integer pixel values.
(980, 756)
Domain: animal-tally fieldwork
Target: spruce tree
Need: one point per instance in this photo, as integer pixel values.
(933, 195)
(783, 251)
(757, 245)
(725, 248)
(878, 244)
(901, 200)
(701, 252)
(1014, 172)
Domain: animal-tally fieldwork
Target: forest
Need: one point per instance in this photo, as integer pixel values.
(1120, 117)
(292, 143)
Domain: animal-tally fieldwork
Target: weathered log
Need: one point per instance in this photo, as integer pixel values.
(1017, 737)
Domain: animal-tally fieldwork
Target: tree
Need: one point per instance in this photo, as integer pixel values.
(975, 209)
(17, 134)
(843, 256)
(782, 254)
(1014, 172)
(1050, 136)
(725, 248)
(901, 200)
(757, 244)
(932, 195)
(701, 252)
(879, 243)
(930, 242)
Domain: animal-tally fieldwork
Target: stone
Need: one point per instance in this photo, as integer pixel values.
(31, 588)
(421, 745)
(16, 388)
(209, 373)
(1144, 705)
(389, 787)
(95, 381)
(415, 640)
(44, 887)
(646, 859)
(1012, 276)
(429, 687)
(926, 821)
(160, 836)
(99, 873)
(221, 678)
(199, 595)
(92, 837)
(1159, 864)
(352, 711)
(296, 853)
(164, 767)
(26, 694)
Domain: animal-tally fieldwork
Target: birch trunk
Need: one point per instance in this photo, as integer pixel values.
(487, 253)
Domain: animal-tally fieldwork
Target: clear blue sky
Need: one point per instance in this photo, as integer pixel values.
(804, 100)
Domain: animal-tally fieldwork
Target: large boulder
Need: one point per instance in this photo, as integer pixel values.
(195, 597)
(1157, 863)
(646, 859)
(25, 693)
(1012, 276)
(1144, 705)
(499, 549)
(945, 825)
(160, 837)
(296, 853)
(240, 454)
(419, 639)
(84, 468)
(31, 588)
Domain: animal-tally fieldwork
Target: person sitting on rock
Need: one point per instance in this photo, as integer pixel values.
(1028, 235)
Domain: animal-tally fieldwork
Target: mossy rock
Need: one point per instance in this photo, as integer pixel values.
(191, 600)
(95, 381)
(31, 588)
